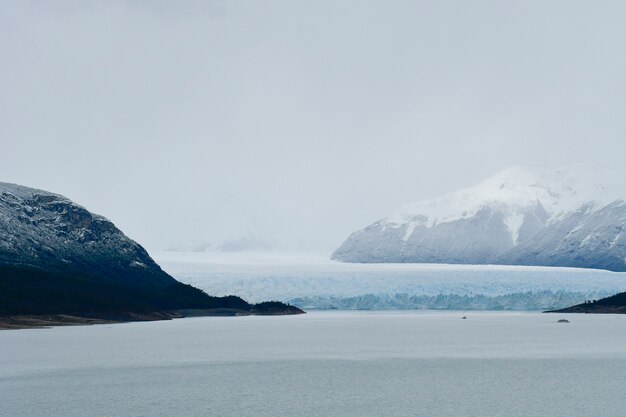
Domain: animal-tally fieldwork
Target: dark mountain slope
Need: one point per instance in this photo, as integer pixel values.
(58, 258)
(615, 304)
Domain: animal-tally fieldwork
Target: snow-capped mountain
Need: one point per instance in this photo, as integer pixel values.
(522, 215)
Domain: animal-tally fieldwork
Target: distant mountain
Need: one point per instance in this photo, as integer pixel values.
(244, 243)
(58, 258)
(248, 243)
(520, 216)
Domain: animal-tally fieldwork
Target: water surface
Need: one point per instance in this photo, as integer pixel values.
(321, 364)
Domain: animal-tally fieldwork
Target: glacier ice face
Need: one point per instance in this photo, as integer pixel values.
(521, 216)
(317, 283)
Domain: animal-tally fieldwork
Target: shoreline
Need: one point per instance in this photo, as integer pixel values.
(590, 309)
(44, 321)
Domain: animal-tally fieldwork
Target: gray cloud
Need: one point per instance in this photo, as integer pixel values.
(301, 121)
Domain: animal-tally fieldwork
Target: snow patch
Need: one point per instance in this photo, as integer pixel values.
(513, 192)
(137, 264)
(514, 222)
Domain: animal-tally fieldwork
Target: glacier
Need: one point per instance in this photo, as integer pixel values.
(317, 283)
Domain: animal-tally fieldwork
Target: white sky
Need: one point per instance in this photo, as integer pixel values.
(295, 120)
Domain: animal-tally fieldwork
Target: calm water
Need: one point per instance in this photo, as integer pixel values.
(322, 364)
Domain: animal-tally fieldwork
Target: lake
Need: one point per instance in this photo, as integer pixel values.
(338, 363)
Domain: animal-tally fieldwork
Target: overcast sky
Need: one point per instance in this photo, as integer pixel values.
(299, 121)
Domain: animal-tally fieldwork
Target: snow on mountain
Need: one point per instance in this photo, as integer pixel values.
(48, 231)
(509, 213)
(514, 191)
